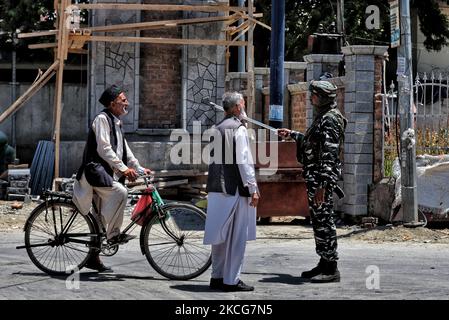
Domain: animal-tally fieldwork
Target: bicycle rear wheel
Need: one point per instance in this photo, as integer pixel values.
(53, 251)
(174, 245)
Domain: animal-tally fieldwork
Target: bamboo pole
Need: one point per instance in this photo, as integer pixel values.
(199, 42)
(250, 64)
(42, 45)
(37, 34)
(39, 83)
(160, 7)
(155, 24)
(62, 52)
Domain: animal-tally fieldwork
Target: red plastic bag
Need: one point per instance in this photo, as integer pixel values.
(144, 203)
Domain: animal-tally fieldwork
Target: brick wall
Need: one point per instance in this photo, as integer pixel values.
(160, 74)
(378, 170)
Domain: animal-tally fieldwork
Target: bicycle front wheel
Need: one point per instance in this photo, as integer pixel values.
(58, 238)
(174, 245)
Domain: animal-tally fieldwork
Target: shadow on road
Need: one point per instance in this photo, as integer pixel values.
(87, 276)
(193, 288)
(280, 278)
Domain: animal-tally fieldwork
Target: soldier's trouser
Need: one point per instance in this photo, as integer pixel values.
(323, 224)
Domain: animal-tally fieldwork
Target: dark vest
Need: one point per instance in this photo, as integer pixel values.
(98, 172)
(227, 172)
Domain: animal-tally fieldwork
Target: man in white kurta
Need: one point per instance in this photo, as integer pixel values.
(108, 146)
(231, 217)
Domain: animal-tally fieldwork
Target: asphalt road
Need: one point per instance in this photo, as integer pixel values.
(273, 264)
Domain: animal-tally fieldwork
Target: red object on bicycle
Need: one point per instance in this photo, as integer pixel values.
(144, 203)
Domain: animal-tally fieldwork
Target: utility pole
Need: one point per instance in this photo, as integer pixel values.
(14, 84)
(408, 145)
(277, 63)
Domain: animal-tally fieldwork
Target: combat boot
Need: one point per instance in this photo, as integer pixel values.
(315, 271)
(329, 273)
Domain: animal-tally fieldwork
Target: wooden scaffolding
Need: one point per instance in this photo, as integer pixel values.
(73, 40)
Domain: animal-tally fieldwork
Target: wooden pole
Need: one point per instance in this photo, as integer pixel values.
(160, 7)
(157, 24)
(199, 42)
(62, 53)
(250, 65)
(39, 83)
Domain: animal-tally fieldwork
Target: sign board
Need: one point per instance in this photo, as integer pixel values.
(395, 28)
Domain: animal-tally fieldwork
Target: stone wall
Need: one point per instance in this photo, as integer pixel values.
(115, 63)
(204, 71)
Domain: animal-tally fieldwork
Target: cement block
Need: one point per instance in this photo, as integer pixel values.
(361, 179)
(349, 97)
(361, 199)
(363, 107)
(364, 96)
(355, 210)
(355, 158)
(354, 127)
(359, 137)
(364, 85)
(354, 189)
(365, 63)
(366, 76)
(358, 148)
(357, 169)
(361, 117)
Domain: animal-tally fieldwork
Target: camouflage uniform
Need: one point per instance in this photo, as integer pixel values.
(318, 150)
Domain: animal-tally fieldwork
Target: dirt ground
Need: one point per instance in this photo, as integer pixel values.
(13, 220)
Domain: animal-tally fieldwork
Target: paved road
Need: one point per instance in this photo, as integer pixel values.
(406, 271)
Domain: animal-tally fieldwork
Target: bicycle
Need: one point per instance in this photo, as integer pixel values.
(59, 239)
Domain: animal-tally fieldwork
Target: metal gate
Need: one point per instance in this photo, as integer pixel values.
(431, 109)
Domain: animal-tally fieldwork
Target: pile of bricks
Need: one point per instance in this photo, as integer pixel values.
(19, 182)
(369, 222)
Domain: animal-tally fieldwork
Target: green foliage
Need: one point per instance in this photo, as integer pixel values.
(305, 17)
(26, 16)
(434, 24)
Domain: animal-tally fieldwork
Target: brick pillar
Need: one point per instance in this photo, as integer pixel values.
(360, 89)
(317, 64)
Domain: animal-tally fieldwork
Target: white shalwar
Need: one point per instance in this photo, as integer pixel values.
(231, 221)
(110, 201)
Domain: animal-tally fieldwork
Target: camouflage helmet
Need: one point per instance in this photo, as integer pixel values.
(325, 90)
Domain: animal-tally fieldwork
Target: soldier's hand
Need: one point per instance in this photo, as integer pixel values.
(254, 199)
(284, 132)
(319, 197)
(131, 174)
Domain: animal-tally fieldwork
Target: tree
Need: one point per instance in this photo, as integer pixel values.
(23, 16)
(305, 17)
(26, 16)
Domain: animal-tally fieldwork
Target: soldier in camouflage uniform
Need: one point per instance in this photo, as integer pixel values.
(318, 150)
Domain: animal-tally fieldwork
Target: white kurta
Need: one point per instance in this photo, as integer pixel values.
(231, 221)
(111, 201)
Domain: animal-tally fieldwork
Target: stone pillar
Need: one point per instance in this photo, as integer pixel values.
(361, 87)
(115, 63)
(317, 64)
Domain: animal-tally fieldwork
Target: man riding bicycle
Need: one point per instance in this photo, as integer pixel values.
(107, 161)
